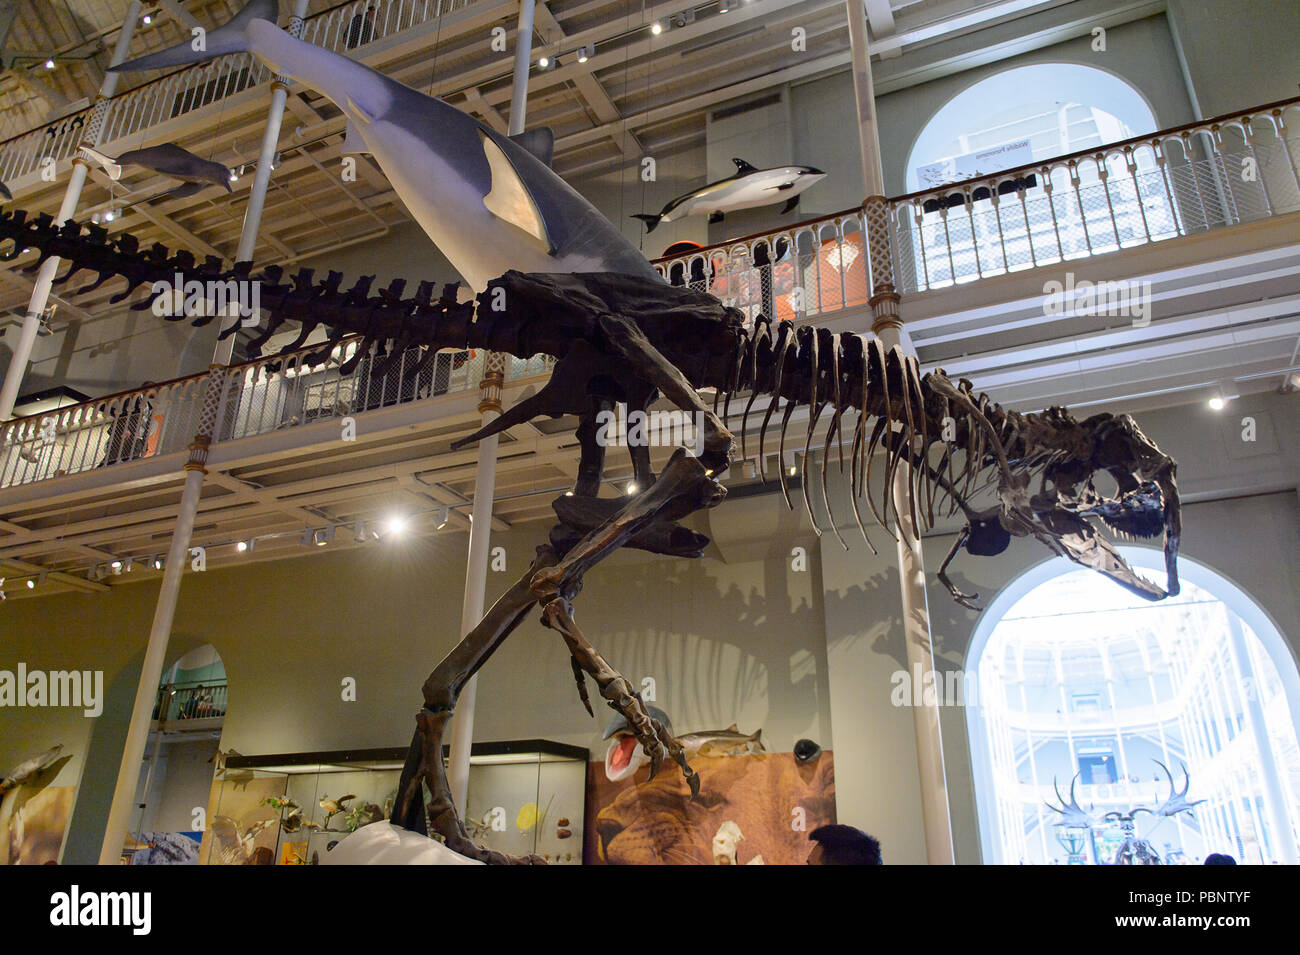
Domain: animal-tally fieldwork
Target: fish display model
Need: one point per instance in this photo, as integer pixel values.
(749, 188)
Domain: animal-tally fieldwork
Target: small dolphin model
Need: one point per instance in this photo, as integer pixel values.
(170, 160)
(490, 202)
(749, 188)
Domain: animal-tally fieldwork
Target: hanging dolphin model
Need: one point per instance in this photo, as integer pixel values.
(490, 202)
(749, 188)
(170, 160)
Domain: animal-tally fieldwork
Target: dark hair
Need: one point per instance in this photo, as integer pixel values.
(1220, 858)
(844, 845)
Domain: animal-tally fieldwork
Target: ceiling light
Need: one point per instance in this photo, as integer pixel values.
(544, 62)
(49, 64)
(323, 536)
(585, 52)
(31, 584)
(157, 563)
(1217, 403)
(656, 28)
(568, 494)
(146, 19)
(116, 566)
(243, 546)
(110, 215)
(441, 516)
(360, 535)
(396, 525)
(234, 176)
(631, 489)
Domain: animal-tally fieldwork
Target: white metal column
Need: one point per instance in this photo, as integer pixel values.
(911, 568)
(462, 721)
(262, 176)
(45, 277)
(137, 734)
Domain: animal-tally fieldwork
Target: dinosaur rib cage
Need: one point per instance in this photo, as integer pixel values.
(909, 413)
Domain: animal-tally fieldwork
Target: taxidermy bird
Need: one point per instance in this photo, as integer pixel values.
(171, 160)
(489, 202)
(333, 807)
(749, 188)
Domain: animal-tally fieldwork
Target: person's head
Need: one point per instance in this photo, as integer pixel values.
(843, 845)
(1220, 858)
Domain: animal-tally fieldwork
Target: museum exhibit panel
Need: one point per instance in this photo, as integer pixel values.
(516, 432)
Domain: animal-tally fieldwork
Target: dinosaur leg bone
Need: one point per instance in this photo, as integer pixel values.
(441, 690)
(619, 693)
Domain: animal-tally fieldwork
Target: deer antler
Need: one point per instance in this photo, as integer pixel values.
(1073, 816)
(1177, 801)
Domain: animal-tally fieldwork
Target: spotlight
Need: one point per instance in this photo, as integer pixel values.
(440, 517)
(683, 17)
(49, 64)
(31, 584)
(94, 217)
(631, 489)
(585, 52)
(360, 535)
(245, 546)
(157, 563)
(568, 494)
(724, 6)
(1217, 403)
(323, 536)
(656, 28)
(234, 176)
(146, 19)
(396, 526)
(544, 62)
(116, 566)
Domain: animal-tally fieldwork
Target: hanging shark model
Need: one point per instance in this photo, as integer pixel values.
(749, 188)
(490, 202)
(170, 160)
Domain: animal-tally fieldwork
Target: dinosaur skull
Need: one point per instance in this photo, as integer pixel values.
(1072, 517)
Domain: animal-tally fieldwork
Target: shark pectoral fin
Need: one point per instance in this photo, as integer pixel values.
(715, 217)
(188, 189)
(352, 141)
(789, 205)
(509, 198)
(540, 142)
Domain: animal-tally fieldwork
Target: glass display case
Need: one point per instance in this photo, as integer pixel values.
(525, 796)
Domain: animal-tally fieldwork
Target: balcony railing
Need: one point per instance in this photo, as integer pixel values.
(191, 701)
(263, 396)
(342, 28)
(1191, 179)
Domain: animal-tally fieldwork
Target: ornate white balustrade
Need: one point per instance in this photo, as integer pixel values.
(1176, 182)
(341, 28)
(270, 394)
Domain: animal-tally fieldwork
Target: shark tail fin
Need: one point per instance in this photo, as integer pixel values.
(650, 221)
(112, 169)
(208, 44)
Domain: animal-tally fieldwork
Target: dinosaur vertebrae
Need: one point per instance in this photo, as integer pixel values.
(808, 367)
(897, 408)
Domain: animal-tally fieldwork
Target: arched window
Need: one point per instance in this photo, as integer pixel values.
(1030, 115)
(1086, 694)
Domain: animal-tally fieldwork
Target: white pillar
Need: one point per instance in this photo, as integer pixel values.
(462, 721)
(146, 692)
(935, 816)
(45, 277)
(262, 176)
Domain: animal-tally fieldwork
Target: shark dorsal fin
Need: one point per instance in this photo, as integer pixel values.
(509, 199)
(733, 728)
(743, 168)
(540, 142)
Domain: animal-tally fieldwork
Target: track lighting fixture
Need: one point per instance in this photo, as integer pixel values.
(586, 52)
(440, 517)
(656, 28)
